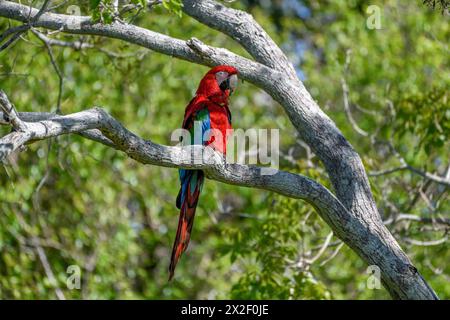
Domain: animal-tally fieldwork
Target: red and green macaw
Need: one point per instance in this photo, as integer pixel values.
(209, 110)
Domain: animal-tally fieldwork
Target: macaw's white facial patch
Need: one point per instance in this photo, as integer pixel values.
(221, 76)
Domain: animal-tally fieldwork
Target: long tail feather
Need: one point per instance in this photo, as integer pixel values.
(186, 220)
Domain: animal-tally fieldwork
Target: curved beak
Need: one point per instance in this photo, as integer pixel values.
(232, 83)
(228, 83)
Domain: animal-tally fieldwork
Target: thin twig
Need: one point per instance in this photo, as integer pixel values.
(348, 112)
(56, 67)
(322, 249)
(18, 31)
(48, 270)
(426, 243)
(333, 255)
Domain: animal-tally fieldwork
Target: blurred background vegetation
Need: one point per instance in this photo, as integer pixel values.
(70, 201)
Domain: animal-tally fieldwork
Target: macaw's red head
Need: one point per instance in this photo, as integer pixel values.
(220, 81)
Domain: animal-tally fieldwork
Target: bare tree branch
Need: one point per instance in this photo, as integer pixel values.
(241, 26)
(10, 114)
(342, 163)
(366, 241)
(322, 249)
(249, 70)
(354, 217)
(77, 45)
(413, 217)
(18, 31)
(332, 148)
(426, 243)
(445, 180)
(334, 254)
(387, 171)
(430, 176)
(348, 112)
(48, 270)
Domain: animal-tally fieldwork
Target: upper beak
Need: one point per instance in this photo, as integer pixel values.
(233, 81)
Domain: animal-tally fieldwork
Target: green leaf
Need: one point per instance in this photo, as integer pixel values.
(93, 4)
(174, 6)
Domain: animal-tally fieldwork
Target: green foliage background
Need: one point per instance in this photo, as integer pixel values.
(87, 205)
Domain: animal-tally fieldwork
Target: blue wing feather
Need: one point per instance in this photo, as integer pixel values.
(190, 176)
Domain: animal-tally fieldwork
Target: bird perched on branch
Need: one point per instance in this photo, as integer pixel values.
(208, 120)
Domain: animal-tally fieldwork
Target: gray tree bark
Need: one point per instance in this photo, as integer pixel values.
(351, 213)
